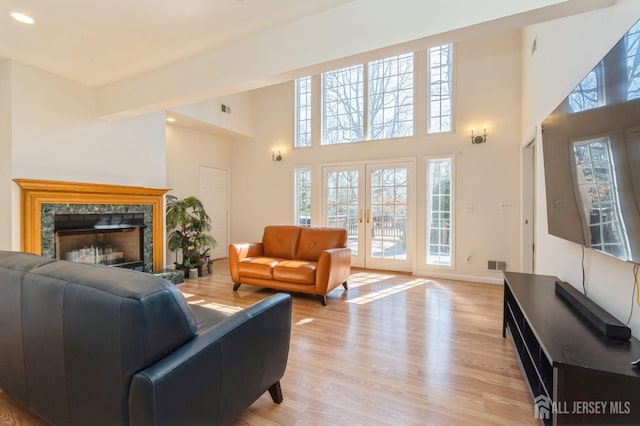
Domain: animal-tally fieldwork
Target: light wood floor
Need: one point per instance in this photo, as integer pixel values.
(392, 350)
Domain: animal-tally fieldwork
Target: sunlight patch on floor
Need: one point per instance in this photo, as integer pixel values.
(367, 298)
(364, 278)
(229, 309)
(304, 321)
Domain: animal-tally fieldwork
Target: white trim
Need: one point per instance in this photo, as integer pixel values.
(470, 278)
(528, 175)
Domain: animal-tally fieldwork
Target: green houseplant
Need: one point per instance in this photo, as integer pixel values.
(188, 225)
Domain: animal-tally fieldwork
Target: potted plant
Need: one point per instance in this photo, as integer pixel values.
(188, 225)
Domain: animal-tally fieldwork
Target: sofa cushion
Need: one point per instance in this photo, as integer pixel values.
(257, 267)
(313, 241)
(280, 241)
(295, 271)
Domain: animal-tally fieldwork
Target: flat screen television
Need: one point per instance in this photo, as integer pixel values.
(591, 152)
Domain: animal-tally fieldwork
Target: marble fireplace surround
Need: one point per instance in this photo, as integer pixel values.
(41, 199)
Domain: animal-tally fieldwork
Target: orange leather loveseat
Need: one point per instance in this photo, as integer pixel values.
(292, 258)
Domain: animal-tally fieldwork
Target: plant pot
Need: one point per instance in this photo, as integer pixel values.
(200, 263)
(193, 273)
(210, 267)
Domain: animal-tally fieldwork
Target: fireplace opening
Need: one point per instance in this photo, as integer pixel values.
(115, 239)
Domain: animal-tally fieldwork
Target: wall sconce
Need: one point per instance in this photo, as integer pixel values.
(276, 157)
(477, 139)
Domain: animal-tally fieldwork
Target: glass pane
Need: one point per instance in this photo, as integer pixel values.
(391, 97)
(303, 112)
(388, 214)
(440, 89)
(302, 193)
(343, 103)
(439, 214)
(342, 205)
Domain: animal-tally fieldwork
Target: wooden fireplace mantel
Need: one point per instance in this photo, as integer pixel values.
(34, 193)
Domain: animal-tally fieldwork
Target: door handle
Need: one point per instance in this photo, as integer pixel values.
(368, 216)
(360, 216)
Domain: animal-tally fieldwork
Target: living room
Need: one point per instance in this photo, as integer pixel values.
(53, 128)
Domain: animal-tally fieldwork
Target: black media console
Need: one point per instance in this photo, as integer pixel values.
(575, 373)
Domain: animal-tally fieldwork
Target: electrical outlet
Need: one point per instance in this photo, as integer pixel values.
(468, 208)
(559, 203)
(506, 205)
(467, 259)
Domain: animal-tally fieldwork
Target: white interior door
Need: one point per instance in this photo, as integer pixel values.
(373, 203)
(214, 194)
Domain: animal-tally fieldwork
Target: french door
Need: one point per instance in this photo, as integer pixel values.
(374, 203)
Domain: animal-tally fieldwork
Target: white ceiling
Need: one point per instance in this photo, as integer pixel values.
(101, 41)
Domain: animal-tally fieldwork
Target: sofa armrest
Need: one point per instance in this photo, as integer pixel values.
(334, 267)
(239, 251)
(213, 378)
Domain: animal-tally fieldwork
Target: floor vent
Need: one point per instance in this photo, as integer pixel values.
(497, 265)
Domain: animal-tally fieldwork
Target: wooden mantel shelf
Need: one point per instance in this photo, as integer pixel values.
(35, 193)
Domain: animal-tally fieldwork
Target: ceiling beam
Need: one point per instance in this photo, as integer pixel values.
(311, 43)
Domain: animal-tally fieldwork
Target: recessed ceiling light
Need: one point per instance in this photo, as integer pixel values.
(171, 120)
(21, 17)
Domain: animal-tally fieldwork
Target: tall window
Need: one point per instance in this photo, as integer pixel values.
(597, 187)
(632, 45)
(388, 106)
(589, 93)
(303, 112)
(439, 96)
(343, 105)
(391, 97)
(439, 211)
(302, 193)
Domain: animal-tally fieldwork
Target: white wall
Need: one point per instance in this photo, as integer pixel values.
(187, 150)
(239, 121)
(302, 46)
(487, 92)
(5, 155)
(55, 135)
(567, 49)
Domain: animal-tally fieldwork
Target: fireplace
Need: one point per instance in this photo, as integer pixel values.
(107, 239)
(123, 224)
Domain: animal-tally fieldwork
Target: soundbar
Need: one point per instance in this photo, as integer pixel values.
(592, 313)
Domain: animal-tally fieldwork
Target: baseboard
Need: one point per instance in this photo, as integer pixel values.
(459, 277)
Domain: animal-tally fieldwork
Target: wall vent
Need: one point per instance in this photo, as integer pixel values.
(497, 265)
